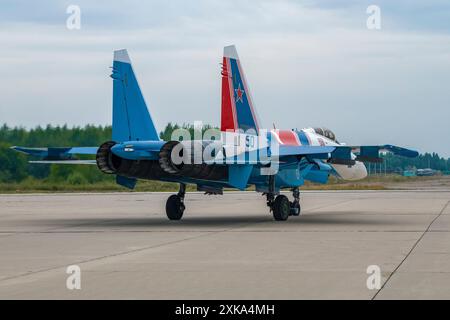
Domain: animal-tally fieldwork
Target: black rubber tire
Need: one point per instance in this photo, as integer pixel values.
(281, 208)
(174, 207)
(293, 207)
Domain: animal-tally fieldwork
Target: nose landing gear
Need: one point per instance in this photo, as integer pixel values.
(281, 207)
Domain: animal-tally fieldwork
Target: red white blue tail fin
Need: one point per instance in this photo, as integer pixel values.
(237, 105)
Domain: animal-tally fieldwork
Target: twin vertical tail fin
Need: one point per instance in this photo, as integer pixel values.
(131, 119)
(237, 105)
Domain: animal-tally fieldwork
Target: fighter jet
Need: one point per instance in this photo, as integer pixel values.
(240, 155)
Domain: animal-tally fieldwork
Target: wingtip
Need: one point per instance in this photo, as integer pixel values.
(230, 52)
(122, 56)
(18, 149)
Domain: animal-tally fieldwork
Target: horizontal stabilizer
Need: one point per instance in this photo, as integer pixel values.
(94, 162)
(57, 153)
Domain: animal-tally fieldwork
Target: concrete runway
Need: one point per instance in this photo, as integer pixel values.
(226, 247)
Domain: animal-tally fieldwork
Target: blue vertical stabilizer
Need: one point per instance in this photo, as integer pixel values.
(131, 119)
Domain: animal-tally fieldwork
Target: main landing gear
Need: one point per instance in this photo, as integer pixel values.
(281, 207)
(175, 204)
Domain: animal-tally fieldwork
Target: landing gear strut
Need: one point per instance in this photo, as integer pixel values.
(295, 205)
(280, 206)
(175, 204)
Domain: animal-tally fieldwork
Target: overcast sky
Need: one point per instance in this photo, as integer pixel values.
(308, 63)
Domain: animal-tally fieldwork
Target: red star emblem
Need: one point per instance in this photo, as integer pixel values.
(239, 93)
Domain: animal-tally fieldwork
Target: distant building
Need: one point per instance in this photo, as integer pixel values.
(409, 173)
(426, 172)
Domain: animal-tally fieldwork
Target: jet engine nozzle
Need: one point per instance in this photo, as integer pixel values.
(107, 162)
(193, 158)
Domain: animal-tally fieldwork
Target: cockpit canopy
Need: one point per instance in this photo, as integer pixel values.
(326, 133)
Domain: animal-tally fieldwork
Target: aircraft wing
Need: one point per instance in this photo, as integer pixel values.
(369, 151)
(63, 155)
(342, 154)
(303, 150)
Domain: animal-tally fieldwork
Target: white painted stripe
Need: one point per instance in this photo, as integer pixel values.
(230, 52)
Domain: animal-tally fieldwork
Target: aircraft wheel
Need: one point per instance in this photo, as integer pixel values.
(174, 207)
(281, 208)
(295, 209)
